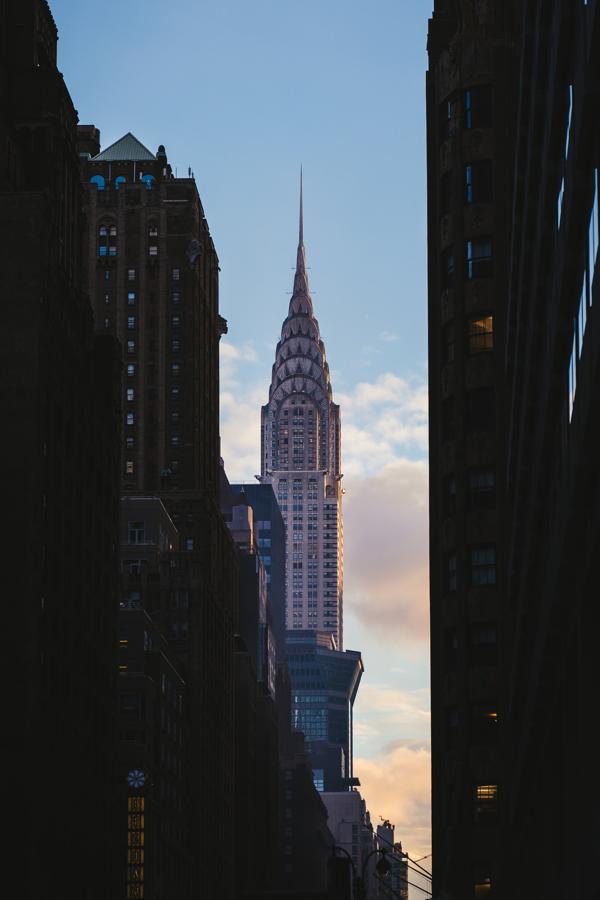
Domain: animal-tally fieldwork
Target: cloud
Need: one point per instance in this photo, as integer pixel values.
(397, 786)
(386, 575)
(242, 394)
(382, 421)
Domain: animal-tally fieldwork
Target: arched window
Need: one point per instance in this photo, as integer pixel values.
(148, 181)
(99, 181)
(107, 240)
(119, 180)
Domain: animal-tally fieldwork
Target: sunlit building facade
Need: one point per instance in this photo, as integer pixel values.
(300, 457)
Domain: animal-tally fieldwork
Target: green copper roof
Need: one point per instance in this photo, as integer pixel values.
(126, 148)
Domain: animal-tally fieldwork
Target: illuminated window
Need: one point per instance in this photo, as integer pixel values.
(131, 346)
(129, 467)
(485, 802)
(153, 230)
(130, 274)
(175, 274)
(130, 370)
(130, 418)
(130, 394)
(107, 240)
(130, 298)
(130, 322)
(481, 334)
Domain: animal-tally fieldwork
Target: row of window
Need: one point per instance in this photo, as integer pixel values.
(100, 181)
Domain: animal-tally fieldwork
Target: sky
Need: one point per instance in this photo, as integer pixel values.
(245, 93)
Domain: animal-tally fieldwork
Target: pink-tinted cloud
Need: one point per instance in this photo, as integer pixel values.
(386, 551)
(397, 786)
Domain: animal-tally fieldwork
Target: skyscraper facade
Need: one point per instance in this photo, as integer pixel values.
(471, 88)
(300, 457)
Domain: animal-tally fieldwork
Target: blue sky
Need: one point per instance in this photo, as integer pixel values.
(244, 93)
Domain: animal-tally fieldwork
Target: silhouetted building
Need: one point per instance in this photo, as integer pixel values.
(60, 413)
(350, 825)
(324, 686)
(549, 806)
(471, 117)
(152, 275)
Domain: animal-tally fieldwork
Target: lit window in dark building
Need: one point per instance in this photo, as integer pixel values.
(479, 258)
(481, 334)
(130, 274)
(131, 322)
(189, 543)
(107, 236)
(175, 440)
(175, 346)
(130, 394)
(175, 274)
(129, 419)
(175, 321)
(478, 181)
(483, 566)
(485, 802)
(478, 107)
(448, 336)
(447, 268)
(152, 230)
(484, 723)
(130, 370)
(482, 488)
(129, 443)
(107, 323)
(129, 467)
(480, 410)
(482, 882)
(107, 274)
(451, 572)
(131, 346)
(130, 298)
(175, 298)
(446, 193)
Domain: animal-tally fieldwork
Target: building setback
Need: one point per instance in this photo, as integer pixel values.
(60, 413)
(471, 88)
(549, 809)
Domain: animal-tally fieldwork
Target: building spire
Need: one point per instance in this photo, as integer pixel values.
(301, 225)
(300, 258)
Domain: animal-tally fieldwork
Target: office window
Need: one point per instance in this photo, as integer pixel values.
(175, 274)
(107, 240)
(175, 298)
(189, 543)
(129, 467)
(129, 418)
(447, 118)
(130, 322)
(130, 370)
(130, 394)
(483, 566)
(130, 298)
(152, 250)
(477, 107)
(175, 321)
(152, 230)
(107, 274)
(478, 182)
(485, 802)
(137, 532)
(131, 346)
(447, 268)
(480, 334)
(451, 572)
(175, 346)
(481, 488)
(130, 274)
(175, 440)
(479, 258)
(129, 443)
(480, 412)
(175, 370)
(107, 323)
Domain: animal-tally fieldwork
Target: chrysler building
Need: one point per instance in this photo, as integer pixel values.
(300, 457)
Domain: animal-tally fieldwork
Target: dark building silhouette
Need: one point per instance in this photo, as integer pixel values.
(549, 809)
(471, 116)
(60, 413)
(152, 274)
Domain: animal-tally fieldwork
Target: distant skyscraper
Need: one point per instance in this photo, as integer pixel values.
(300, 457)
